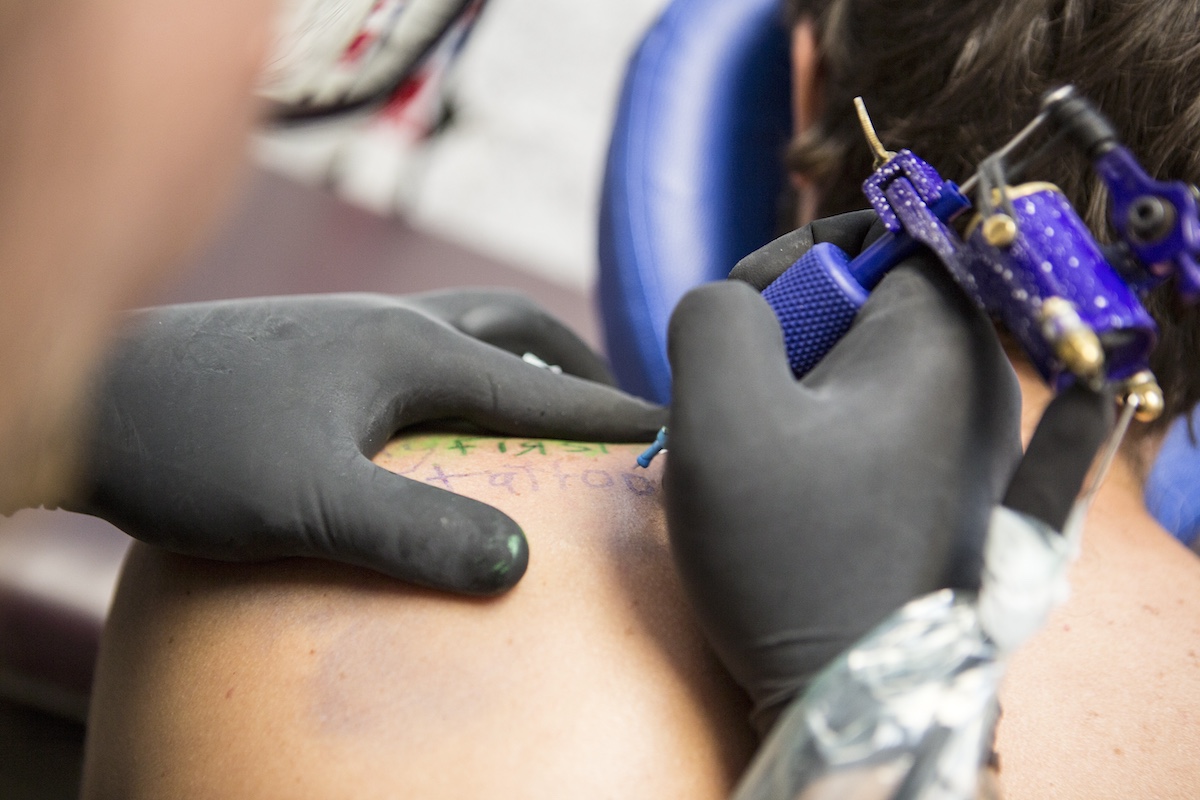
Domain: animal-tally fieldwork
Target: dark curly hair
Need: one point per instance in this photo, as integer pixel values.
(954, 79)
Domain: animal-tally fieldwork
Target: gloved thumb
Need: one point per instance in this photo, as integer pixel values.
(418, 533)
(722, 339)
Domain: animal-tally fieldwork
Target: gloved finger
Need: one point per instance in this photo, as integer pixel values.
(847, 231)
(511, 321)
(501, 393)
(1070, 432)
(418, 533)
(922, 359)
(917, 331)
(728, 363)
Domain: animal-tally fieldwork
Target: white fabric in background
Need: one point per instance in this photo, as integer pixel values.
(518, 176)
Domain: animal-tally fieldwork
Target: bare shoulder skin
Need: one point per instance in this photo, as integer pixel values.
(1105, 701)
(241, 680)
(303, 678)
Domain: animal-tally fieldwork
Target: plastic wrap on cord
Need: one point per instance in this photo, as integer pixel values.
(909, 711)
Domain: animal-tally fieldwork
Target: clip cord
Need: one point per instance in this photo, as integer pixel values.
(1007, 149)
(992, 179)
(1073, 116)
(1061, 455)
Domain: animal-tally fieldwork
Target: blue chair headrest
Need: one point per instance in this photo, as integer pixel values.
(694, 174)
(1173, 485)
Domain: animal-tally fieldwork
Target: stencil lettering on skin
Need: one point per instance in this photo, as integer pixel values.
(513, 465)
(595, 530)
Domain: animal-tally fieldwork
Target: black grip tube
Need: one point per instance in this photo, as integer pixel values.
(1072, 429)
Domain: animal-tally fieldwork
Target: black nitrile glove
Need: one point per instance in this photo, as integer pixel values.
(802, 513)
(241, 430)
(851, 232)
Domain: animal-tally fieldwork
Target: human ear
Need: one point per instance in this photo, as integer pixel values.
(806, 78)
(806, 106)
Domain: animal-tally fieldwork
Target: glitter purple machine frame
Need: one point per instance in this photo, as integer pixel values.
(1023, 255)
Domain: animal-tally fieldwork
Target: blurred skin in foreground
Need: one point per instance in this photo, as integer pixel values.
(124, 129)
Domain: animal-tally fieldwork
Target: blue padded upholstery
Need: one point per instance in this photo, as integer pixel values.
(694, 171)
(692, 184)
(1173, 486)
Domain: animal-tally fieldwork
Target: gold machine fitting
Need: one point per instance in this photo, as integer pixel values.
(1143, 391)
(1073, 340)
(999, 230)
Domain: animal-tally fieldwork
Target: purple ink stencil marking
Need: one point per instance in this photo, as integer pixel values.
(441, 476)
(640, 486)
(605, 480)
(531, 473)
(425, 456)
(563, 477)
(503, 480)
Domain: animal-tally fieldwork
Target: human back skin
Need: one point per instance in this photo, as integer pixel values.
(309, 679)
(1104, 701)
(589, 679)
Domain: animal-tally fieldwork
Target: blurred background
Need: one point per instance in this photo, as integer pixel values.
(522, 120)
(489, 176)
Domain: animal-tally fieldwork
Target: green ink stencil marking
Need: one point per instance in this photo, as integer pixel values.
(419, 444)
(463, 445)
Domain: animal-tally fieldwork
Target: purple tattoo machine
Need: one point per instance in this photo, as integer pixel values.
(1023, 255)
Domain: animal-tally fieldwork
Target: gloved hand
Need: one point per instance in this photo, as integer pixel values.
(802, 513)
(240, 430)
